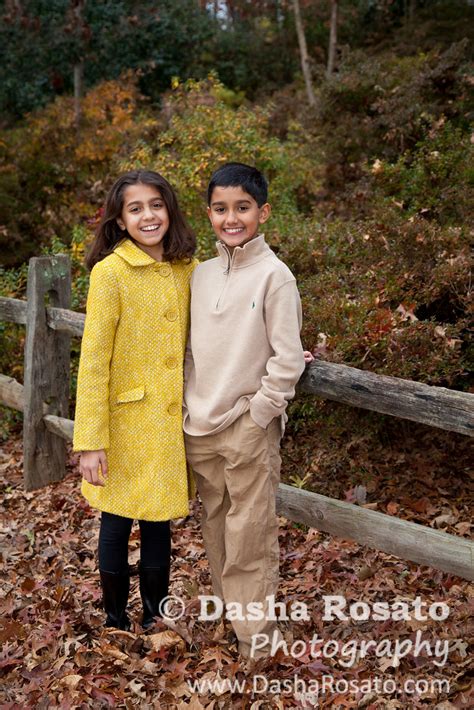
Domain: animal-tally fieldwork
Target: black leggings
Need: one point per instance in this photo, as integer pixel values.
(113, 543)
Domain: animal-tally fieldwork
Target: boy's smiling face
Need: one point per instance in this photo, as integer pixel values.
(235, 215)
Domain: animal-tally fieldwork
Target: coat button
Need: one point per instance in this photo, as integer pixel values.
(173, 409)
(165, 270)
(171, 314)
(171, 362)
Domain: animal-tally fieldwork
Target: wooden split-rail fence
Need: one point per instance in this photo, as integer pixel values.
(45, 394)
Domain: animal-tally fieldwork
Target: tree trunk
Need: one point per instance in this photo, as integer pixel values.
(304, 54)
(332, 39)
(78, 75)
(77, 8)
(409, 11)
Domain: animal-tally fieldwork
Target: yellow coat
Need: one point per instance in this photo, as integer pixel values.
(130, 383)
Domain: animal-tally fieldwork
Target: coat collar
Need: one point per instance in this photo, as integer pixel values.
(249, 253)
(132, 254)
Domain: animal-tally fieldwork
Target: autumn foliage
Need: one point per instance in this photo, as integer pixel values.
(372, 196)
(56, 652)
(370, 211)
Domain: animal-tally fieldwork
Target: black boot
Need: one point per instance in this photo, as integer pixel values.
(153, 589)
(115, 588)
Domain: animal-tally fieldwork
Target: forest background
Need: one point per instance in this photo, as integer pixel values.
(370, 163)
(367, 140)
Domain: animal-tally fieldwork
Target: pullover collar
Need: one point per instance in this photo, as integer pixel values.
(251, 252)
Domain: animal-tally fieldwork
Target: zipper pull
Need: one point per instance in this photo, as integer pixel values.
(229, 259)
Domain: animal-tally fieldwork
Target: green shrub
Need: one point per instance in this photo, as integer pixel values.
(436, 178)
(13, 285)
(206, 130)
(384, 105)
(51, 175)
(391, 296)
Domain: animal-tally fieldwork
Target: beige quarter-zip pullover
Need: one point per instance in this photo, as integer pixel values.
(244, 349)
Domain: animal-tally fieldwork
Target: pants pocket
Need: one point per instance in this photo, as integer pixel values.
(246, 441)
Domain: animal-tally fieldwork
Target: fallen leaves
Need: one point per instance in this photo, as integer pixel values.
(71, 681)
(164, 640)
(357, 495)
(56, 652)
(365, 572)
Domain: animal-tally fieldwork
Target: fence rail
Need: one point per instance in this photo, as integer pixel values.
(63, 320)
(436, 406)
(43, 400)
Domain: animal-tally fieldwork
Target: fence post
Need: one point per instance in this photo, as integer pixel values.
(46, 377)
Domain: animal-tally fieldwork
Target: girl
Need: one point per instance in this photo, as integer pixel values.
(128, 416)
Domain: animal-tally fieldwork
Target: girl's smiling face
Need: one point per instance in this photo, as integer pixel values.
(145, 217)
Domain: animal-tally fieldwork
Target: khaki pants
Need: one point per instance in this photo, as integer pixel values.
(237, 474)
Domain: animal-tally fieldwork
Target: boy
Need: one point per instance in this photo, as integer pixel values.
(244, 359)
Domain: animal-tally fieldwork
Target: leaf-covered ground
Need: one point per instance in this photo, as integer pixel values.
(56, 654)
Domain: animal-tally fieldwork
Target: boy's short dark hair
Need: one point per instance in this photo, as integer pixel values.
(247, 177)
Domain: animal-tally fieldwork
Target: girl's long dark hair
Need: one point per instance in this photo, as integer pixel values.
(179, 241)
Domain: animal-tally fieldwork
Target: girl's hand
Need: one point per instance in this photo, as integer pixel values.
(89, 467)
(308, 357)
